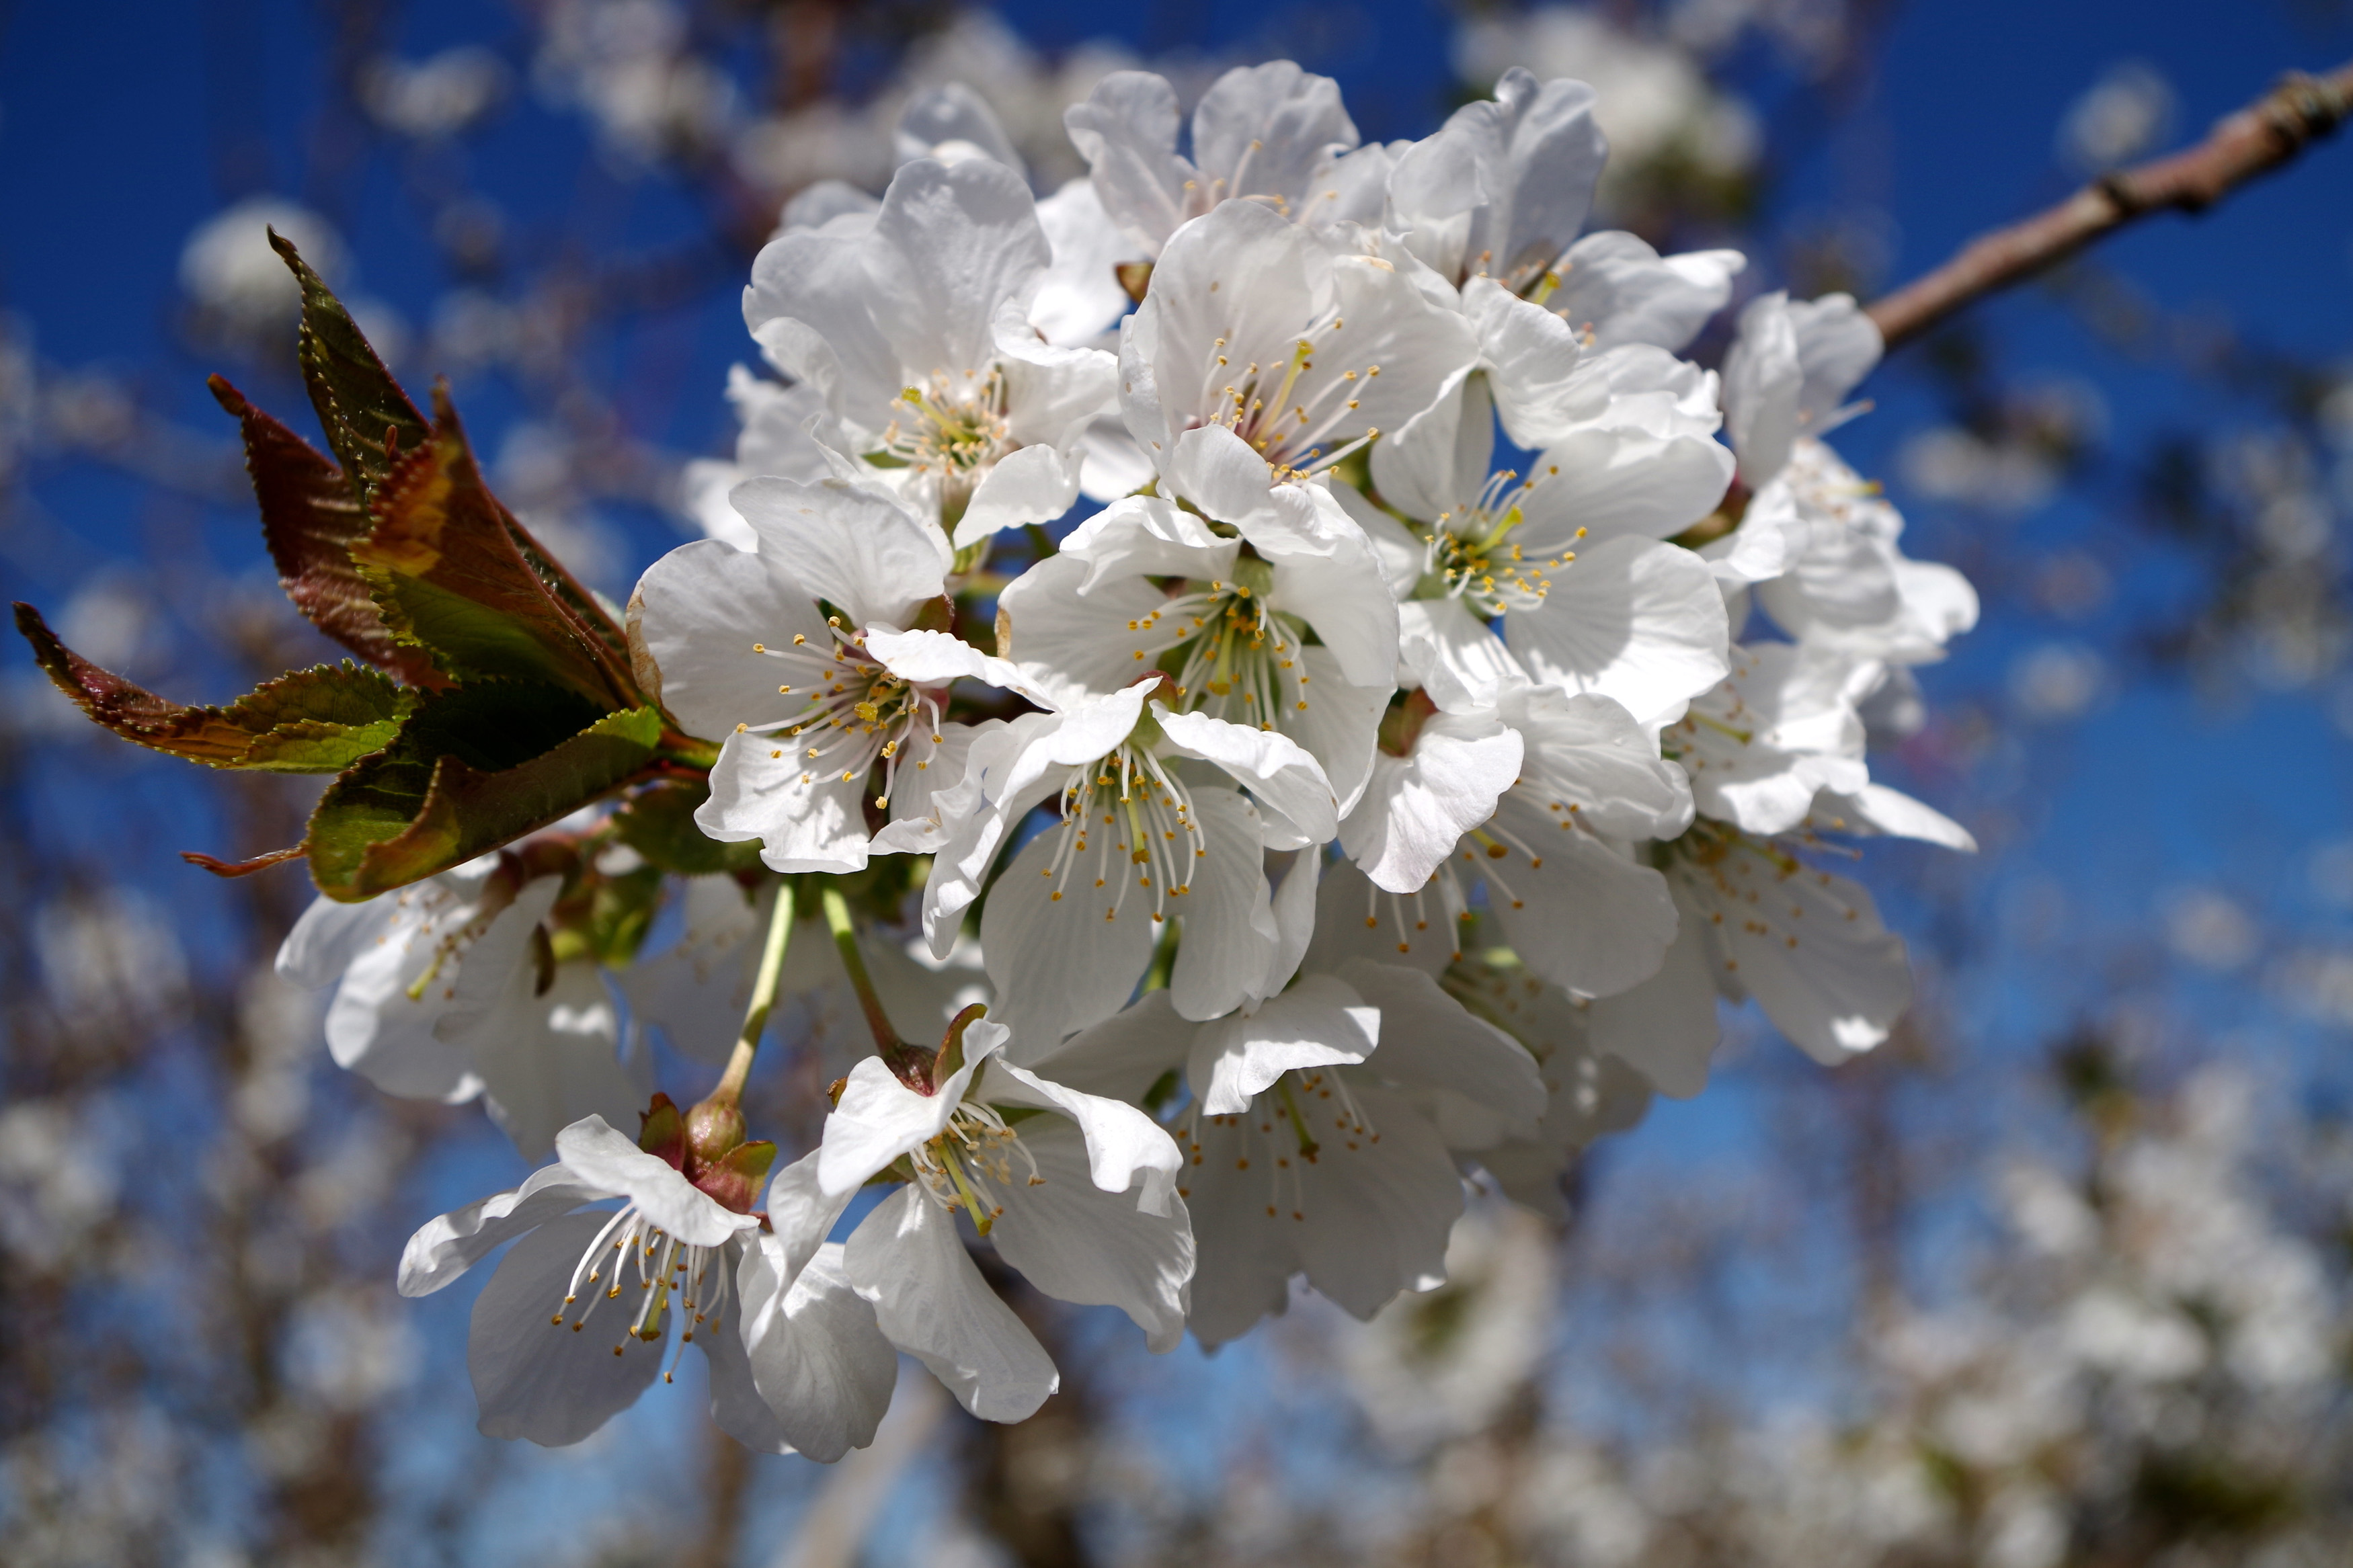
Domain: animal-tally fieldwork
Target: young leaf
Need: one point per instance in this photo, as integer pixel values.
(451, 573)
(310, 517)
(369, 421)
(317, 721)
(419, 809)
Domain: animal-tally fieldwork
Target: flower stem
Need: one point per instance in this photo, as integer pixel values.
(887, 1043)
(763, 998)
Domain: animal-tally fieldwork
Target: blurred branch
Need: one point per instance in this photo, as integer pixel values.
(2266, 135)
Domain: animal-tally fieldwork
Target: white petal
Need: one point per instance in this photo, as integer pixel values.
(695, 991)
(939, 117)
(1453, 654)
(604, 1157)
(1277, 770)
(1319, 1022)
(767, 787)
(1345, 596)
(328, 937)
(1429, 1042)
(1229, 921)
(1060, 963)
(1126, 131)
(1079, 1242)
(1590, 763)
(1365, 1221)
(547, 1058)
(1632, 620)
(1294, 920)
(1354, 918)
(699, 610)
(1439, 460)
(1123, 1056)
(877, 1120)
(1418, 806)
(1264, 131)
(1763, 382)
(1612, 482)
(1126, 1151)
(815, 1353)
(930, 764)
(1540, 155)
(538, 1378)
(856, 548)
(1051, 394)
(1079, 297)
(801, 1214)
(1615, 281)
(384, 1019)
(1666, 1027)
(931, 1301)
(445, 1247)
(1587, 918)
(1032, 484)
(1147, 536)
(1884, 810)
(951, 246)
(1068, 641)
(1826, 971)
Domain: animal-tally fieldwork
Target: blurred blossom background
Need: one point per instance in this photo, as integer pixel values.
(2059, 1276)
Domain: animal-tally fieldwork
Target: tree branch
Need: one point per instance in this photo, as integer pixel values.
(2264, 136)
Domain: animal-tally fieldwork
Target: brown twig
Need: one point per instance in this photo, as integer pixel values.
(2262, 137)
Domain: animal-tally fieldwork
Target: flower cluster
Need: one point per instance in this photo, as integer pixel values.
(1455, 694)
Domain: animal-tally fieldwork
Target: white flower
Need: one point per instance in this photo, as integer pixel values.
(1262, 356)
(1817, 539)
(1787, 374)
(916, 332)
(815, 722)
(1570, 557)
(1306, 1150)
(448, 990)
(1077, 1195)
(1846, 583)
(1541, 796)
(797, 1363)
(1808, 945)
(1780, 746)
(1261, 134)
(1071, 923)
(1588, 1092)
(1091, 618)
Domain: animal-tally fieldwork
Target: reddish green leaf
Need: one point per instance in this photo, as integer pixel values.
(310, 517)
(417, 810)
(369, 421)
(454, 573)
(316, 720)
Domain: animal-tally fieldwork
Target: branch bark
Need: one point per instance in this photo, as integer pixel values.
(2266, 135)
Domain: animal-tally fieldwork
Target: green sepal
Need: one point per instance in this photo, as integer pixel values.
(318, 720)
(661, 1131)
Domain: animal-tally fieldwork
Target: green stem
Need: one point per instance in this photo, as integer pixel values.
(764, 999)
(887, 1043)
